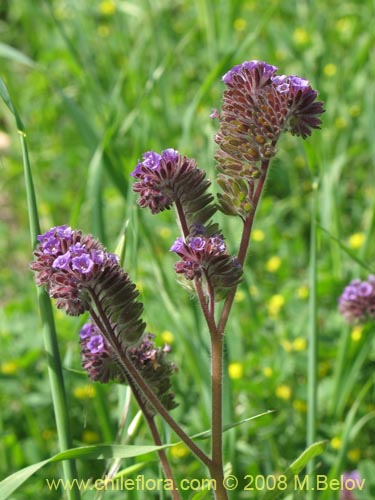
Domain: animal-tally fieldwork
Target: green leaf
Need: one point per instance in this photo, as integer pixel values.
(4, 94)
(348, 251)
(295, 468)
(99, 452)
(15, 55)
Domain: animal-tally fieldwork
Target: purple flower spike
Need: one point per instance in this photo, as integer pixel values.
(357, 301)
(167, 178)
(258, 105)
(206, 257)
(79, 273)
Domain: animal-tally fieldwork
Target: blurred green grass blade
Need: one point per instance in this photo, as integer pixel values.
(347, 434)
(48, 325)
(95, 195)
(312, 355)
(347, 250)
(348, 382)
(98, 452)
(295, 468)
(15, 55)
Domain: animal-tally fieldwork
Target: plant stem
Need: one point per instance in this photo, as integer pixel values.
(246, 233)
(216, 469)
(312, 343)
(104, 325)
(156, 437)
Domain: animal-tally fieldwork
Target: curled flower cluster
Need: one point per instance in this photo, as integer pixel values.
(258, 105)
(207, 256)
(66, 263)
(102, 365)
(167, 178)
(357, 302)
(81, 275)
(98, 358)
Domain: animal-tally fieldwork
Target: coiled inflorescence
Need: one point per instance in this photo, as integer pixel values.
(357, 302)
(102, 365)
(81, 275)
(258, 105)
(205, 256)
(168, 178)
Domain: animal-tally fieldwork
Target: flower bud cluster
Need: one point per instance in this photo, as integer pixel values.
(101, 363)
(67, 263)
(258, 105)
(357, 302)
(81, 275)
(206, 256)
(167, 178)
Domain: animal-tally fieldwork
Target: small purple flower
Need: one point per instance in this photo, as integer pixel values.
(197, 244)
(63, 261)
(51, 245)
(264, 72)
(357, 301)
(151, 160)
(95, 344)
(177, 246)
(87, 331)
(82, 264)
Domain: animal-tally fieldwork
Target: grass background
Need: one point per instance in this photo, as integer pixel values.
(97, 84)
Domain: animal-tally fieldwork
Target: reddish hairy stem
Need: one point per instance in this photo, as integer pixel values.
(105, 326)
(248, 225)
(157, 440)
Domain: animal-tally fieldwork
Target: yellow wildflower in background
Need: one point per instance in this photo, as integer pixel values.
(107, 7)
(273, 264)
(283, 392)
(286, 345)
(240, 24)
(165, 232)
(355, 110)
(84, 391)
(253, 290)
(103, 30)
(240, 296)
(257, 235)
(354, 455)
(341, 122)
(48, 434)
(330, 69)
(90, 437)
(356, 333)
(299, 344)
(301, 36)
(300, 405)
(275, 304)
(8, 367)
(179, 451)
(356, 240)
(299, 161)
(303, 292)
(167, 337)
(267, 371)
(235, 370)
(336, 443)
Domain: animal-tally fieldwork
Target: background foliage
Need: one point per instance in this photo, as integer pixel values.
(97, 84)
